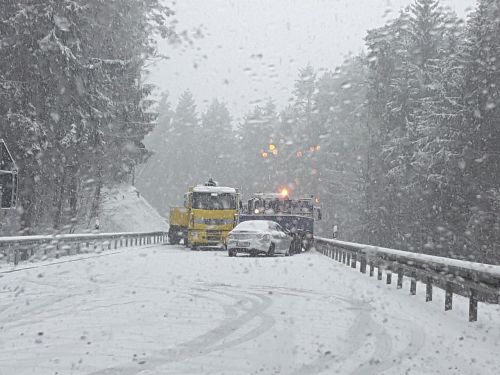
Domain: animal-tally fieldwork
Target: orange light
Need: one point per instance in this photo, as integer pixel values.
(272, 147)
(311, 148)
(299, 154)
(284, 192)
(275, 152)
(264, 154)
(318, 147)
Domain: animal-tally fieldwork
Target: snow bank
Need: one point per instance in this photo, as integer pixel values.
(124, 209)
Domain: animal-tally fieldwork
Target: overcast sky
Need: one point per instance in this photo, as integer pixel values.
(253, 49)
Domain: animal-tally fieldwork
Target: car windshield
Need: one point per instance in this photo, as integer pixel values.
(254, 225)
(142, 140)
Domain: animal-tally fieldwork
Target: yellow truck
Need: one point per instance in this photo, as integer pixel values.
(209, 213)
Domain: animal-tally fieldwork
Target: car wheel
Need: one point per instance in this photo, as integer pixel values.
(231, 253)
(270, 252)
(287, 254)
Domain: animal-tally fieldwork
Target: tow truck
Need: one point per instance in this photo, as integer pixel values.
(297, 216)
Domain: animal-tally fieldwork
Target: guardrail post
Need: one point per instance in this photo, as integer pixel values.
(400, 278)
(413, 284)
(362, 264)
(472, 306)
(353, 261)
(348, 259)
(344, 256)
(337, 253)
(428, 290)
(16, 257)
(116, 243)
(379, 273)
(389, 277)
(448, 298)
(372, 269)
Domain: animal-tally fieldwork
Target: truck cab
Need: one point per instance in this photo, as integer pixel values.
(210, 212)
(213, 214)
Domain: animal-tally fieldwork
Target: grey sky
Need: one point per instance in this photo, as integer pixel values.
(253, 49)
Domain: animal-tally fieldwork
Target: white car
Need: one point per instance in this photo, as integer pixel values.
(258, 237)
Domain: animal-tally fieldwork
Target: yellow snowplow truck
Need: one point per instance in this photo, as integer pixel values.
(210, 212)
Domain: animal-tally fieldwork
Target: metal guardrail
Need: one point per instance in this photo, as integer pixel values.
(476, 281)
(16, 249)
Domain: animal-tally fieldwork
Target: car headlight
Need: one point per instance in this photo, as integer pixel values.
(263, 237)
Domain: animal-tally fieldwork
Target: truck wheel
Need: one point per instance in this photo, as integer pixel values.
(173, 239)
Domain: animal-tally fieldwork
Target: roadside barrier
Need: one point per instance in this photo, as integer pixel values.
(477, 281)
(22, 248)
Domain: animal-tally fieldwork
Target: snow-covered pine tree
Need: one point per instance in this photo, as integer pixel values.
(217, 146)
(76, 105)
(478, 146)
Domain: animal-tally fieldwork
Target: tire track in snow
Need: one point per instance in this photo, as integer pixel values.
(363, 322)
(213, 340)
(382, 360)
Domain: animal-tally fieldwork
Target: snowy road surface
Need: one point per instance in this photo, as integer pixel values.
(166, 310)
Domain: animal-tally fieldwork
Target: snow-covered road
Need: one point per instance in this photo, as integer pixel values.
(166, 310)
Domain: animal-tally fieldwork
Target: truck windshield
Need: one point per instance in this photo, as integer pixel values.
(207, 201)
